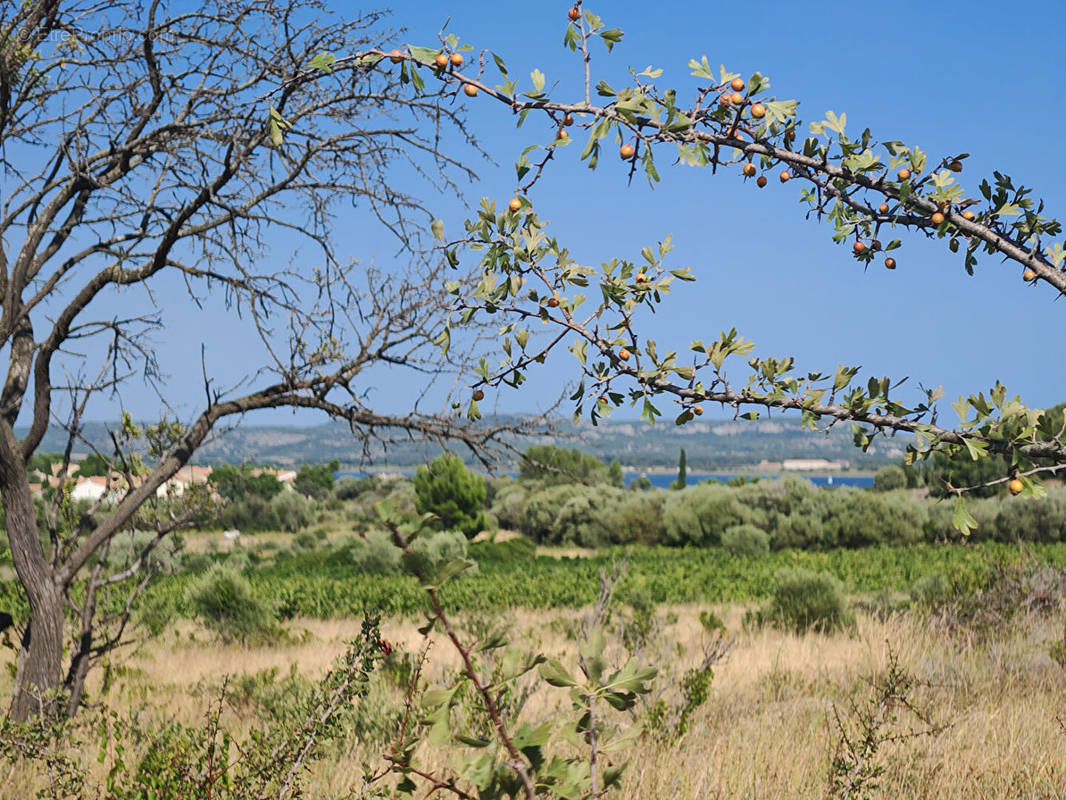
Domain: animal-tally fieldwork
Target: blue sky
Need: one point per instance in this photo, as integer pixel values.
(979, 77)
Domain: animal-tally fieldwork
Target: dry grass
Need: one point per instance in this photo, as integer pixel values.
(768, 730)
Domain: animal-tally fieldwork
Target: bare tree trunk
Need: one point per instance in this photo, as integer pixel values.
(40, 670)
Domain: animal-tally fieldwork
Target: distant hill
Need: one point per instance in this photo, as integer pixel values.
(709, 445)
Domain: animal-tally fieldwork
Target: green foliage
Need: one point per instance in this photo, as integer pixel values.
(316, 480)
(324, 585)
(292, 511)
(375, 554)
(430, 551)
(682, 473)
(350, 488)
(93, 464)
(550, 466)
(224, 600)
(890, 478)
(804, 600)
(237, 483)
(745, 540)
(446, 488)
(698, 515)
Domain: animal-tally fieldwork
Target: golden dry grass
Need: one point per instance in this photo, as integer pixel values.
(768, 730)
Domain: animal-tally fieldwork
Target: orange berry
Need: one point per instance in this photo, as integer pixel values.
(1016, 486)
(737, 84)
(623, 354)
(890, 263)
(969, 215)
(697, 410)
(883, 208)
(441, 60)
(784, 176)
(725, 99)
(568, 120)
(395, 56)
(574, 14)
(904, 174)
(955, 166)
(937, 218)
(641, 277)
(758, 111)
(478, 395)
(470, 90)
(736, 98)
(1029, 275)
(562, 133)
(749, 170)
(627, 151)
(457, 59)
(515, 204)
(859, 248)
(761, 182)
(553, 302)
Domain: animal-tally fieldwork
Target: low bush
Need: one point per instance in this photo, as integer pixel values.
(745, 540)
(225, 602)
(804, 600)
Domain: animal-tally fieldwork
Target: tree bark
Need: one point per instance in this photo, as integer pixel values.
(40, 662)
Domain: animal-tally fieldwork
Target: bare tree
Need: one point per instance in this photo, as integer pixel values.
(136, 142)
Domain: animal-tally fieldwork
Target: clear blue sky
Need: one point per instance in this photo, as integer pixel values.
(978, 77)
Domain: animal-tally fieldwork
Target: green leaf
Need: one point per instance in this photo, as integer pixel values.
(538, 80)
(323, 62)
(701, 69)
(962, 519)
(437, 226)
(555, 674)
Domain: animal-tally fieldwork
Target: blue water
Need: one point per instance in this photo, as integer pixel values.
(663, 480)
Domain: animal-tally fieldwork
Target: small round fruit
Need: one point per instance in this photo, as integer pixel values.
(737, 84)
(574, 14)
(441, 60)
(968, 215)
(395, 56)
(904, 174)
(641, 277)
(859, 248)
(515, 204)
(457, 59)
(937, 218)
(478, 396)
(553, 302)
(758, 111)
(890, 263)
(623, 354)
(562, 133)
(749, 170)
(568, 120)
(1016, 486)
(627, 151)
(725, 99)
(736, 98)
(761, 182)
(883, 208)
(470, 90)
(1029, 275)
(697, 410)
(955, 166)
(784, 176)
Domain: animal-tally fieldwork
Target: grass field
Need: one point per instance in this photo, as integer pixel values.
(989, 698)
